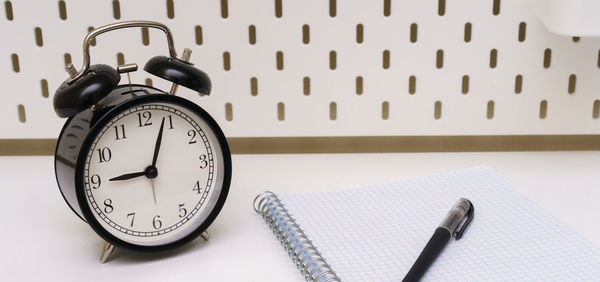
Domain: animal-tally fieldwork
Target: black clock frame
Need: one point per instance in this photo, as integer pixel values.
(97, 127)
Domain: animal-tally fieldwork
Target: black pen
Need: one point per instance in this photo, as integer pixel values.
(454, 225)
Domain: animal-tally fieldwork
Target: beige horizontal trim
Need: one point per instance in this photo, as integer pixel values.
(361, 144)
(27, 147)
(392, 144)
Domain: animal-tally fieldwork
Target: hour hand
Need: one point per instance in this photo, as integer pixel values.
(128, 176)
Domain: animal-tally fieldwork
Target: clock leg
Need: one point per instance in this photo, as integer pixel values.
(107, 250)
(205, 235)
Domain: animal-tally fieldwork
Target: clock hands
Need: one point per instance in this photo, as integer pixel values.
(155, 157)
(153, 191)
(128, 176)
(158, 141)
(151, 171)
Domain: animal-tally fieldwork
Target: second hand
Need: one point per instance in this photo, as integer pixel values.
(153, 190)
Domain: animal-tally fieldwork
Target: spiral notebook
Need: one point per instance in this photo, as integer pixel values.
(375, 233)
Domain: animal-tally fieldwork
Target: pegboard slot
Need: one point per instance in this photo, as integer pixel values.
(278, 8)
(572, 83)
(437, 110)
(198, 33)
(39, 40)
(224, 9)
(468, 29)
(280, 111)
(145, 36)
(170, 9)
(306, 85)
(148, 81)
(522, 31)
(490, 110)
(359, 33)
(279, 60)
(465, 84)
(332, 8)
(518, 84)
(332, 60)
(67, 58)
(387, 7)
(576, 38)
(253, 86)
(44, 86)
(413, 32)
(547, 57)
(228, 112)
(9, 10)
(333, 111)
(359, 85)
(385, 110)
(306, 34)
(15, 62)
(252, 34)
(439, 58)
(62, 10)
(21, 112)
(496, 8)
(226, 61)
(441, 7)
(120, 59)
(596, 109)
(493, 58)
(116, 9)
(93, 42)
(386, 59)
(412, 84)
(543, 109)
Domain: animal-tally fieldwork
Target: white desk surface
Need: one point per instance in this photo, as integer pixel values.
(42, 239)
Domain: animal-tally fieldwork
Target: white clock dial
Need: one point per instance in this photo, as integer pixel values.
(153, 205)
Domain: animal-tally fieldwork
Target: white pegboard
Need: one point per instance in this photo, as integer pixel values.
(309, 115)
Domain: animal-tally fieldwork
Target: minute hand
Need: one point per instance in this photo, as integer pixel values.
(158, 141)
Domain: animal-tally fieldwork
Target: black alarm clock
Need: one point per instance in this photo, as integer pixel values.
(147, 170)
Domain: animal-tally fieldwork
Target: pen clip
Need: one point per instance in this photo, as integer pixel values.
(465, 221)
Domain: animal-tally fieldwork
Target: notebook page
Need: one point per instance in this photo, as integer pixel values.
(375, 233)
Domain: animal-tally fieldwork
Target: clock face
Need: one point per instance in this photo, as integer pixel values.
(154, 173)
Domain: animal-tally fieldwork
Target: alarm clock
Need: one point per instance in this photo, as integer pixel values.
(147, 170)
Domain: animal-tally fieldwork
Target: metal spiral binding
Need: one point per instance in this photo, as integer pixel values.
(303, 253)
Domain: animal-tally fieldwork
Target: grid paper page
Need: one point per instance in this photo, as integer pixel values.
(376, 233)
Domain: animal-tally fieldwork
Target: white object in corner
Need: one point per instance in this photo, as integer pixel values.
(570, 17)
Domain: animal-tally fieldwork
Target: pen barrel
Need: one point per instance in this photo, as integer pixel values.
(432, 250)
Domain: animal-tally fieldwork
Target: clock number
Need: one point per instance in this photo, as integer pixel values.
(192, 135)
(132, 218)
(203, 162)
(197, 187)
(182, 210)
(95, 179)
(104, 154)
(108, 208)
(147, 116)
(119, 132)
(156, 222)
(170, 122)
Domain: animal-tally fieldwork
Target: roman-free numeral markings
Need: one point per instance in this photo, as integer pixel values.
(132, 215)
(120, 132)
(144, 119)
(104, 155)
